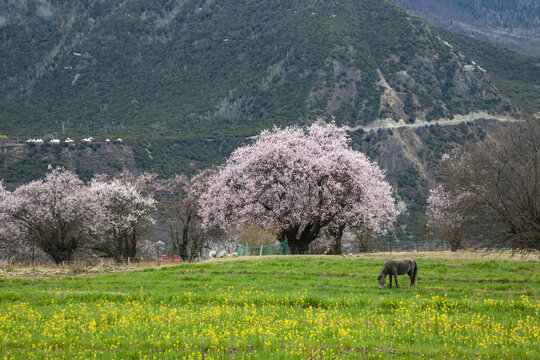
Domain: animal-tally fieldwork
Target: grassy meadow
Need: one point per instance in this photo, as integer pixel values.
(277, 308)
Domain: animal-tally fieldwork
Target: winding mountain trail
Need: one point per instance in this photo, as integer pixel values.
(458, 119)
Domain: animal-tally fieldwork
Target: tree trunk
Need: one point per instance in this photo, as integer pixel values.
(183, 249)
(455, 241)
(60, 249)
(336, 234)
(299, 243)
(126, 246)
(132, 251)
(60, 256)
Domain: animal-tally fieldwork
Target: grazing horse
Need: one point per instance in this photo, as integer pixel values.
(395, 267)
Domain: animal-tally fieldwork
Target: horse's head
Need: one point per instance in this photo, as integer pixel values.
(380, 278)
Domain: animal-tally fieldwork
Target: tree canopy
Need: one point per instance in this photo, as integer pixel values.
(489, 192)
(303, 180)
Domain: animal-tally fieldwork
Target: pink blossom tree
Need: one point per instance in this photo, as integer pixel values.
(303, 180)
(447, 210)
(126, 212)
(55, 214)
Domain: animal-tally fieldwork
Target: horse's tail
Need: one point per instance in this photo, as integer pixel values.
(415, 273)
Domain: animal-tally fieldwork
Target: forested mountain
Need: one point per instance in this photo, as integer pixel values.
(514, 24)
(193, 68)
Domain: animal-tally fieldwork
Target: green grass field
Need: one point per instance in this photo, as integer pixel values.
(276, 308)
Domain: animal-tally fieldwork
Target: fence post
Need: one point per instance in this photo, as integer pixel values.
(260, 254)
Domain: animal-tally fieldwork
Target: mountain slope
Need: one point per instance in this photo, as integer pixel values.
(513, 24)
(516, 76)
(194, 69)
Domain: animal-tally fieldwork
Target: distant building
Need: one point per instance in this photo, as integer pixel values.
(55, 141)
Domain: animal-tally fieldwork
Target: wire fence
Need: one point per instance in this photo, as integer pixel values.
(385, 245)
(281, 248)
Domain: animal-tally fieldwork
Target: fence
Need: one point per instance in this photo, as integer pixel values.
(384, 245)
(380, 245)
(281, 248)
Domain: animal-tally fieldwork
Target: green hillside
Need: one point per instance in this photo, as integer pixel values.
(512, 24)
(197, 69)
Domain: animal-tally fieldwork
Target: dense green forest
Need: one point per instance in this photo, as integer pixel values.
(198, 69)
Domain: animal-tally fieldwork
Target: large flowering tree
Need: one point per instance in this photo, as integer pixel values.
(59, 215)
(55, 214)
(303, 180)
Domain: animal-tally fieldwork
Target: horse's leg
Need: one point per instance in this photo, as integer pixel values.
(390, 280)
(395, 276)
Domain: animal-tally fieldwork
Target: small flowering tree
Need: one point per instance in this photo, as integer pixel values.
(302, 181)
(125, 214)
(55, 214)
(12, 240)
(447, 211)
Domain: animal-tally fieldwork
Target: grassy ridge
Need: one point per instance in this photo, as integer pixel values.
(285, 308)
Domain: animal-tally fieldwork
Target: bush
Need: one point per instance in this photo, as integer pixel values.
(256, 236)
